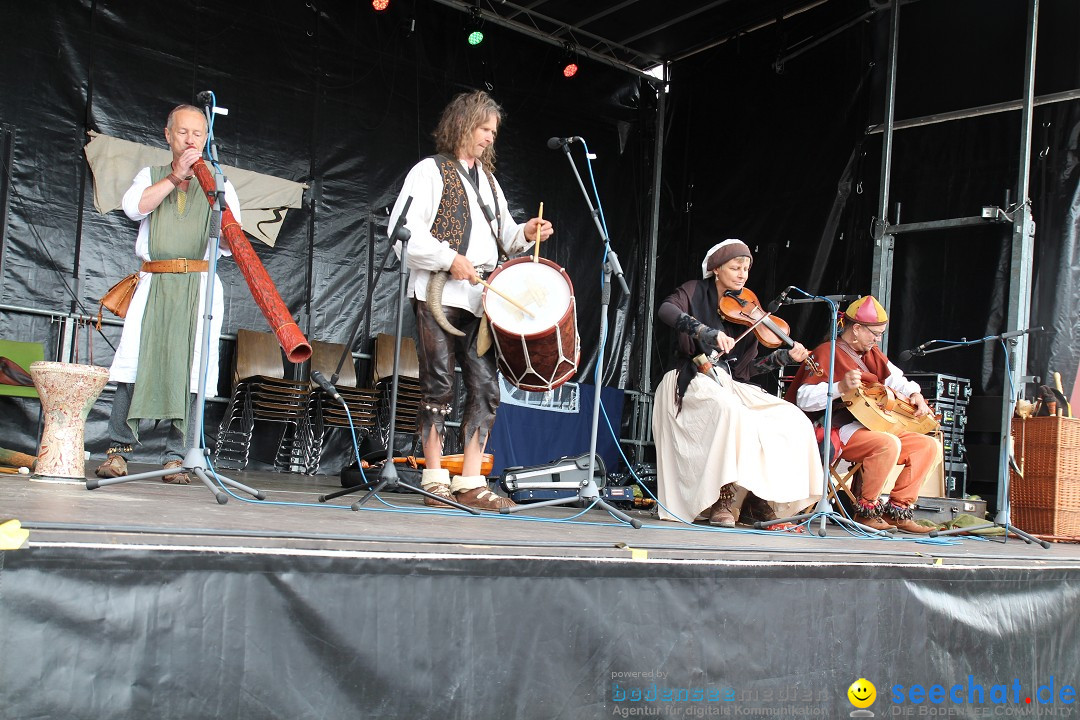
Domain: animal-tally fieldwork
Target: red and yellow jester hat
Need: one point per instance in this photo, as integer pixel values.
(865, 311)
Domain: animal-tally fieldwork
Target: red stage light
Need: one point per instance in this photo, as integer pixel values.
(380, 5)
(570, 70)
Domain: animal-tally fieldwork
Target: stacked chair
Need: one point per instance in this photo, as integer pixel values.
(408, 404)
(261, 392)
(325, 413)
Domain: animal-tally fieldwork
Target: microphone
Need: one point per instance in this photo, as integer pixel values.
(914, 352)
(326, 386)
(205, 97)
(781, 299)
(556, 143)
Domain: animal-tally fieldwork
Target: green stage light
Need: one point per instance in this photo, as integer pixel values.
(475, 26)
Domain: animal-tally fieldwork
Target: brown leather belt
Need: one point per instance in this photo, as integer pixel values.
(179, 265)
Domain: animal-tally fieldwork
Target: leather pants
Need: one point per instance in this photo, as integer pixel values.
(438, 352)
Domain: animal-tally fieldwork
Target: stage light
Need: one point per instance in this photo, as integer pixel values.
(380, 5)
(569, 61)
(474, 28)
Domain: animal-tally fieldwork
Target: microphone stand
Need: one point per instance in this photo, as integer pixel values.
(588, 490)
(195, 456)
(388, 475)
(824, 510)
(1003, 517)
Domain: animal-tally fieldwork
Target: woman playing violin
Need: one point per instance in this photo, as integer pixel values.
(859, 360)
(718, 438)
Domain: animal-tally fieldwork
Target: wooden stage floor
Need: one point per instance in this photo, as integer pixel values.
(152, 513)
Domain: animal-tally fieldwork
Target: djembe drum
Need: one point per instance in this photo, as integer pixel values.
(67, 391)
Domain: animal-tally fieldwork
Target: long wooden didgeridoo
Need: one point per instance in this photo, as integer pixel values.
(15, 459)
(263, 290)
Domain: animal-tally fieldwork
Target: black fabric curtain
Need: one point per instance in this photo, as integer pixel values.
(336, 96)
(777, 153)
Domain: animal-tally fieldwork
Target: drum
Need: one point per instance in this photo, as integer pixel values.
(67, 391)
(536, 353)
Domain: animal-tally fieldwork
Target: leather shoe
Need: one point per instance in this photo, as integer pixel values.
(180, 478)
(721, 516)
(483, 499)
(909, 526)
(877, 523)
(443, 491)
(114, 466)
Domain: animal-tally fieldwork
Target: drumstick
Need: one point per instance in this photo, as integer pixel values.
(504, 297)
(539, 223)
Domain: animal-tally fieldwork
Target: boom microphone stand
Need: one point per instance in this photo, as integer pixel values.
(195, 456)
(1003, 517)
(589, 491)
(824, 510)
(388, 476)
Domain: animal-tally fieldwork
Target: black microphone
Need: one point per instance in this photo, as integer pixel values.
(326, 386)
(556, 143)
(205, 97)
(780, 299)
(913, 352)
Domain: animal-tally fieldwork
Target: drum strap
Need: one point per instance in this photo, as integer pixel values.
(490, 216)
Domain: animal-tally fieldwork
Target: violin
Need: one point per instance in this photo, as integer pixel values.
(743, 308)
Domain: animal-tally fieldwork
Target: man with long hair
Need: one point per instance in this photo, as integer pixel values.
(461, 226)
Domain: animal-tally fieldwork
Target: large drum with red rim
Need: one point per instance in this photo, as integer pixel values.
(538, 351)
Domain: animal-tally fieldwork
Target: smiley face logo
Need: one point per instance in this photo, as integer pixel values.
(862, 693)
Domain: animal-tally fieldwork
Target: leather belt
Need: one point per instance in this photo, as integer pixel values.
(179, 265)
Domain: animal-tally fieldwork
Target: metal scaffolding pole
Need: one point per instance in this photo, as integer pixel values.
(645, 385)
(1023, 252)
(884, 241)
(1023, 234)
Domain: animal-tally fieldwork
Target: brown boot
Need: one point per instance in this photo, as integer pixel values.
(114, 466)
(868, 513)
(902, 517)
(180, 478)
(720, 514)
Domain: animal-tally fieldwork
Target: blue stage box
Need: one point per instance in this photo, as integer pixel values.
(531, 434)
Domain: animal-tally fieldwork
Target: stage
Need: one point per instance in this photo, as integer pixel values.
(150, 600)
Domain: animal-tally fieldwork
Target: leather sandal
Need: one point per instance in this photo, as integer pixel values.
(180, 478)
(113, 467)
(483, 499)
(442, 491)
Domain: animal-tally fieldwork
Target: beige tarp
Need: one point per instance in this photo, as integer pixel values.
(264, 199)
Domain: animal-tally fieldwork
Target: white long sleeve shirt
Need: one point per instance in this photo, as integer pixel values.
(426, 254)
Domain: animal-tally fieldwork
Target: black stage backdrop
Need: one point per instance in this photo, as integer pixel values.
(335, 96)
(781, 159)
(344, 99)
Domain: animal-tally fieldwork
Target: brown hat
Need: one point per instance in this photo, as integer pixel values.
(721, 252)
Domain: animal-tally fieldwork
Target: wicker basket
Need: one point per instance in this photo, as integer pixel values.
(1047, 499)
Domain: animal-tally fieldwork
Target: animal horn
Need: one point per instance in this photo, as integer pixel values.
(434, 302)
